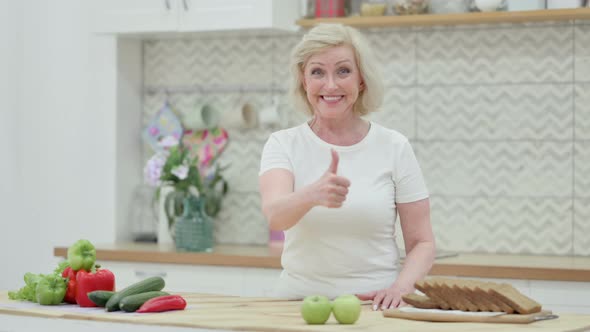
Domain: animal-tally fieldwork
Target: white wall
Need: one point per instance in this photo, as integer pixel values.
(10, 58)
(57, 134)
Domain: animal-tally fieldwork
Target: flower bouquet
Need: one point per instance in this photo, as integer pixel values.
(176, 167)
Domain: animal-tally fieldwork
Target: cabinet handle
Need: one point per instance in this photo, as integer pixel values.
(185, 3)
(167, 3)
(143, 274)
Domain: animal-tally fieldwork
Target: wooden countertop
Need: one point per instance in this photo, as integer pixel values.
(562, 268)
(209, 311)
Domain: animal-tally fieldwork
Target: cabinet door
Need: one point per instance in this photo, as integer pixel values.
(216, 15)
(562, 296)
(224, 280)
(135, 16)
(260, 282)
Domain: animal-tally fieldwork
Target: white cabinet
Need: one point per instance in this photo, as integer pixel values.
(562, 296)
(134, 16)
(226, 280)
(151, 16)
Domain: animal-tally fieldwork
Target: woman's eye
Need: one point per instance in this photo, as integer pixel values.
(343, 71)
(316, 71)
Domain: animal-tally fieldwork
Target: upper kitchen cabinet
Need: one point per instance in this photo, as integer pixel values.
(154, 16)
(135, 16)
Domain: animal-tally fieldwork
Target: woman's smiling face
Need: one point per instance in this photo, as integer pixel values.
(333, 81)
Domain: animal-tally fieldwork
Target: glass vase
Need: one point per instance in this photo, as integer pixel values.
(194, 229)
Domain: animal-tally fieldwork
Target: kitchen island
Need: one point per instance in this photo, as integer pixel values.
(215, 312)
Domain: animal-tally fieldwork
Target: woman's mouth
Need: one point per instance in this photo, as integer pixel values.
(331, 99)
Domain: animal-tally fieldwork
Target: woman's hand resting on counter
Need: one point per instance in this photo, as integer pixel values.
(386, 298)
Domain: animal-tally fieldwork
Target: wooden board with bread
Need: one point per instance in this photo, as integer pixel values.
(453, 299)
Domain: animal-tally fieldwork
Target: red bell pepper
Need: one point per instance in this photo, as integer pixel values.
(70, 296)
(163, 303)
(86, 282)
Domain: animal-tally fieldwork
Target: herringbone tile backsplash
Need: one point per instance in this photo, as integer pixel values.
(499, 117)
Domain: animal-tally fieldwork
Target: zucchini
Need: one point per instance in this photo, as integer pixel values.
(132, 302)
(100, 297)
(147, 285)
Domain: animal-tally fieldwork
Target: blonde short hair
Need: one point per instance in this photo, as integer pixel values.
(325, 36)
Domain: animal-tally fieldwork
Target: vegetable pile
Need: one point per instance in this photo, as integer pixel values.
(78, 280)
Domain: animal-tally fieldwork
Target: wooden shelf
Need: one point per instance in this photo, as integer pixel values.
(454, 19)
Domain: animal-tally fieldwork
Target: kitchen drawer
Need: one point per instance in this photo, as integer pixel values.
(260, 282)
(182, 278)
(568, 309)
(562, 293)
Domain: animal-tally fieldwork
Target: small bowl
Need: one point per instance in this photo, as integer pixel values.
(373, 9)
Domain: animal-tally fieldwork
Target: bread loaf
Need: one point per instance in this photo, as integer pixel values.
(420, 301)
(515, 299)
(470, 295)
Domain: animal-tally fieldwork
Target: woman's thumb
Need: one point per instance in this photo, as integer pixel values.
(334, 164)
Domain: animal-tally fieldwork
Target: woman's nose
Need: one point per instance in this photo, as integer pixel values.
(330, 82)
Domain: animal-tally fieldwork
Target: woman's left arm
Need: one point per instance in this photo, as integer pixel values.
(420, 251)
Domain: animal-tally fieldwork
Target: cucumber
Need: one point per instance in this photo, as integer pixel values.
(147, 285)
(100, 297)
(132, 302)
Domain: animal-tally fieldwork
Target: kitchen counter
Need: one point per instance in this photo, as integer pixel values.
(208, 312)
(559, 268)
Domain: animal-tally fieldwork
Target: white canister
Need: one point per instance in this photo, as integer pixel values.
(488, 5)
(519, 5)
(557, 4)
(449, 6)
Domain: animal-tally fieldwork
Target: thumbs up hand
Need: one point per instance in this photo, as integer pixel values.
(330, 190)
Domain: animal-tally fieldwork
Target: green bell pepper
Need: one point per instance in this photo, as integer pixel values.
(51, 289)
(82, 255)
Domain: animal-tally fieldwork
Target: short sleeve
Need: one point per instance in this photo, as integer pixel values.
(409, 182)
(274, 155)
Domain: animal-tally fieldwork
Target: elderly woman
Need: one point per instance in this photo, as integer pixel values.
(335, 184)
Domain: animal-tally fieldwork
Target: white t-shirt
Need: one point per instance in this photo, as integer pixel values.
(352, 249)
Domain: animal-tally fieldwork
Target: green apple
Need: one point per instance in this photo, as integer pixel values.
(347, 309)
(316, 309)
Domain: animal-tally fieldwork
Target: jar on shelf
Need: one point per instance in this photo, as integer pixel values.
(487, 5)
(410, 7)
(373, 7)
(329, 8)
(554, 4)
(353, 7)
(449, 6)
(308, 10)
(520, 5)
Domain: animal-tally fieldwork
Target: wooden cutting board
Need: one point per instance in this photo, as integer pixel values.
(429, 315)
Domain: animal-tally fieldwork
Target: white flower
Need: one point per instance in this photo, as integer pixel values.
(168, 142)
(181, 171)
(153, 169)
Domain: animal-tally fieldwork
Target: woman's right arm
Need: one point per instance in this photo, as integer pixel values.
(283, 206)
